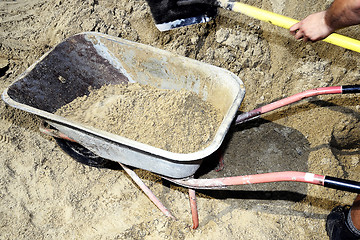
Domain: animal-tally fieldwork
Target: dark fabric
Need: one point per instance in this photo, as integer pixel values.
(336, 226)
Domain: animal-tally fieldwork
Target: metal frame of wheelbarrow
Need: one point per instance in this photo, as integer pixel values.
(92, 60)
(222, 183)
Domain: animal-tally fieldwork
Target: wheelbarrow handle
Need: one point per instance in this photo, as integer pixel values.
(287, 176)
(342, 184)
(244, 117)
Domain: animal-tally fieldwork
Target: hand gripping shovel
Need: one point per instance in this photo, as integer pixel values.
(178, 13)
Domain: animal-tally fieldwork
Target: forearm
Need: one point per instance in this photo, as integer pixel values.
(343, 13)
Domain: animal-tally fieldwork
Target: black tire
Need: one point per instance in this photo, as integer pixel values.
(85, 156)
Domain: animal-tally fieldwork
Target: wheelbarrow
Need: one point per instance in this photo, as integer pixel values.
(92, 60)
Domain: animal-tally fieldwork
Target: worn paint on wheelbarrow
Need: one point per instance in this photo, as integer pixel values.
(93, 59)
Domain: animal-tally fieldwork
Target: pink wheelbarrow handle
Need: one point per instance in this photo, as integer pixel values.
(244, 117)
(288, 176)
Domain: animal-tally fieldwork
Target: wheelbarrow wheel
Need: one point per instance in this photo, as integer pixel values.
(84, 155)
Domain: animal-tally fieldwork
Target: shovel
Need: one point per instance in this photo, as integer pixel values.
(178, 13)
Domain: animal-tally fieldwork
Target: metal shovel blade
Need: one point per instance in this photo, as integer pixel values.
(170, 15)
(166, 26)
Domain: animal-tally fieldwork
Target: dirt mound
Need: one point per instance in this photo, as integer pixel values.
(45, 194)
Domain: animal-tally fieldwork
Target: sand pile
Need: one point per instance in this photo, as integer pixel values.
(45, 194)
(176, 121)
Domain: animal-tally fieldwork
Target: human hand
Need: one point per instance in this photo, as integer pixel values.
(312, 28)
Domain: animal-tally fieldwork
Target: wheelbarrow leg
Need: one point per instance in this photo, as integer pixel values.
(147, 191)
(220, 154)
(193, 206)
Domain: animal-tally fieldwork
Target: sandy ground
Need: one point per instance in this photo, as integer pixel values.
(45, 194)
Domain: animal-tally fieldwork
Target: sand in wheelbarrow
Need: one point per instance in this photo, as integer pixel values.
(176, 121)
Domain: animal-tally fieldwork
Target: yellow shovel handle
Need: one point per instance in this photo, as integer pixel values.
(286, 22)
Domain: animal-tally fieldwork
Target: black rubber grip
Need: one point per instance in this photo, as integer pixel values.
(351, 89)
(342, 184)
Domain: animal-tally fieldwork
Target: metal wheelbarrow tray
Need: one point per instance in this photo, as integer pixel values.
(93, 59)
